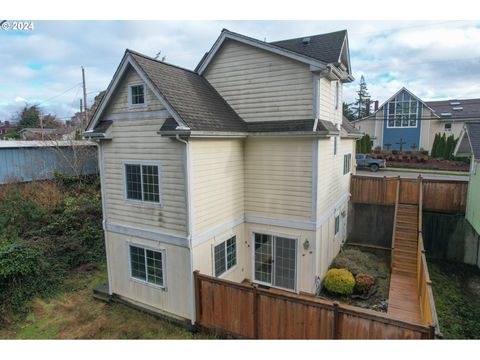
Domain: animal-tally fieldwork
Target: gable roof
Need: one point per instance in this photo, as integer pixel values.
(470, 108)
(349, 130)
(191, 100)
(469, 141)
(324, 47)
(333, 45)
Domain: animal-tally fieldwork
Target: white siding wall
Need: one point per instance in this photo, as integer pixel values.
(278, 178)
(327, 101)
(217, 182)
(176, 299)
(260, 85)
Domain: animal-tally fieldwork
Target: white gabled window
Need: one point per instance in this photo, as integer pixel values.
(142, 182)
(347, 163)
(147, 265)
(225, 255)
(136, 94)
(337, 95)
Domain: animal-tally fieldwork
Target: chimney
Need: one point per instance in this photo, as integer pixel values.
(375, 106)
(367, 106)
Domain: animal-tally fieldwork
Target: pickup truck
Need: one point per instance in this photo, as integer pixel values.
(367, 162)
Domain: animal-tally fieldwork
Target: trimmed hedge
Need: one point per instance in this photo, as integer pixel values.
(339, 281)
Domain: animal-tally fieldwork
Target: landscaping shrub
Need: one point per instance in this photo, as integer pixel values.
(44, 236)
(363, 283)
(339, 281)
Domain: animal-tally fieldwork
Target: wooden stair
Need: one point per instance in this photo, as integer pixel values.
(403, 296)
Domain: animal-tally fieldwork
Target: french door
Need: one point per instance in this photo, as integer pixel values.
(275, 261)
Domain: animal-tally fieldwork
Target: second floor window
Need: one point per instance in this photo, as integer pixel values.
(137, 94)
(142, 182)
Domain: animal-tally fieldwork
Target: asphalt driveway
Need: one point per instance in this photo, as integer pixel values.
(409, 174)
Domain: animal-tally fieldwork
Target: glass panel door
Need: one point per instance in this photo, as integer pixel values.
(263, 258)
(285, 262)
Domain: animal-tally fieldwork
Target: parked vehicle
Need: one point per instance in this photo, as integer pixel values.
(366, 161)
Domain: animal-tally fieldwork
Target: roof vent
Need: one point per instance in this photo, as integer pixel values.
(455, 103)
(446, 114)
(306, 41)
(457, 108)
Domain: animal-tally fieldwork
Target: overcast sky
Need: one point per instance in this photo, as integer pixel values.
(433, 59)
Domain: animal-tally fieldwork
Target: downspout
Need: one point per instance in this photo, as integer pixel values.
(104, 212)
(189, 218)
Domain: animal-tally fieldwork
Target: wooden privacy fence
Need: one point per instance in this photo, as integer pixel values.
(438, 195)
(247, 311)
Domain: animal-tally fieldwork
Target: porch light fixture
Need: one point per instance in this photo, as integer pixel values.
(306, 244)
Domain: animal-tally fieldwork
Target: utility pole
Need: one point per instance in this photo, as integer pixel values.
(84, 98)
(81, 106)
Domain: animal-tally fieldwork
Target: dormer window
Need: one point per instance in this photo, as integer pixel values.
(136, 94)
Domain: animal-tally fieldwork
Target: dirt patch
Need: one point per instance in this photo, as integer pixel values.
(371, 262)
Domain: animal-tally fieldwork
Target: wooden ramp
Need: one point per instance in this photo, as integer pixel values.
(403, 297)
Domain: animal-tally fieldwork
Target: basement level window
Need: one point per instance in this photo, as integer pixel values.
(225, 256)
(136, 94)
(147, 265)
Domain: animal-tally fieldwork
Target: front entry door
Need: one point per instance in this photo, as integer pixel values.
(275, 261)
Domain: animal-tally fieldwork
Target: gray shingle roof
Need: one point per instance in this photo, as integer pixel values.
(349, 128)
(291, 126)
(470, 109)
(324, 47)
(198, 104)
(473, 130)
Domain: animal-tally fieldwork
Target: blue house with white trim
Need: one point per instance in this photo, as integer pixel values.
(406, 122)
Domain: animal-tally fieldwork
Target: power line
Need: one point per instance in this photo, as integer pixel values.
(55, 96)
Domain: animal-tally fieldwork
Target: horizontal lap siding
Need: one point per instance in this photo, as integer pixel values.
(119, 101)
(217, 182)
(261, 86)
(278, 175)
(327, 101)
(138, 140)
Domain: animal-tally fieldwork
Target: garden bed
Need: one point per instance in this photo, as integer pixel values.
(371, 262)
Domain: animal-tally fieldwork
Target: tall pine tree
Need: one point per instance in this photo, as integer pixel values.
(360, 105)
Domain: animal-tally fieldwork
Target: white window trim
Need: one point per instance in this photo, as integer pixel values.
(297, 259)
(142, 202)
(164, 267)
(144, 104)
(224, 242)
(402, 126)
(335, 216)
(445, 127)
(350, 167)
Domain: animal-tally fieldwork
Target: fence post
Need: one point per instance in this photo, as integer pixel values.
(335, 320)
(255, 311)
(431, 333)
(198, 298)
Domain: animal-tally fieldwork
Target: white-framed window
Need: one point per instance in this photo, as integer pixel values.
(142, 182)
(337, 224)
(137, 94)
(147, 265)
(225, 255)
(402, 111)
(335, 145)
(347, 163)
(448, 127)
(337, 95)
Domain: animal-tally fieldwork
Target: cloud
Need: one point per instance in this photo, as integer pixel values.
(19, 99)
(432, 59)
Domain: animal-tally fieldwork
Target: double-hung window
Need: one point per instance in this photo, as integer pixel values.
(225, 255)
(347, 163)
(136, 95)
(147, 265)
(142, 182)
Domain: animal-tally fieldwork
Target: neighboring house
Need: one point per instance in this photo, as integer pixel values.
(39, 134)
(469, 146)
(22, 161)
(5, 127)
(239, 169)
(406, 122)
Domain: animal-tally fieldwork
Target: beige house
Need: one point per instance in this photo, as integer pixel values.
(407, 122)
(239, 169)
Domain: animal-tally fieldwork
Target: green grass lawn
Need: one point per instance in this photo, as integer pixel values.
(75, 314)
(456, 290)
(427, 171)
